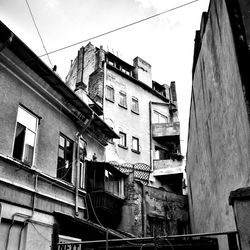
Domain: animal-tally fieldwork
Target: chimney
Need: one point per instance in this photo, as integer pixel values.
(142, 71)
(173, 96)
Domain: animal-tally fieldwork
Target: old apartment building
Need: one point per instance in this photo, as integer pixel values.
(219, 140)
(56, 182)
(141, 111)
(47, 135)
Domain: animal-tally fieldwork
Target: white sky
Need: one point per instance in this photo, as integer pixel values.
(166, 42)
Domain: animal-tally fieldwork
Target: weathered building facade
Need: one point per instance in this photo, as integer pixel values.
(150, 211)
(55, 182)
(47, 133)
(219, 140)
(143, 112)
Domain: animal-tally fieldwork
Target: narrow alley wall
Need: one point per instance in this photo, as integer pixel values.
(218, 144)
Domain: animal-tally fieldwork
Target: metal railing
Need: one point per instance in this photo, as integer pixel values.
(204, 241)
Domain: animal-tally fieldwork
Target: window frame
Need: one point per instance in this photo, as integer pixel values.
(118, 181)
(135, 99)
(123, 94)
(82, 163)
(155, 112)
(35, 132)
(125, 140)
(64, 177)
(138, 145)
(112, 99)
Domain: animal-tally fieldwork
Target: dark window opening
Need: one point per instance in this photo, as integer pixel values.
(19, 141)
(65, 156)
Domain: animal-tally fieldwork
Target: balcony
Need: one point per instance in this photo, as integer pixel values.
(167, 167)
(106, 206)
(105, 201)
(166, 129)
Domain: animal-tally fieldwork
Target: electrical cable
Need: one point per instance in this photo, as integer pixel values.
(38, 32)
(122, 27)
(91, 204)
(45, 238)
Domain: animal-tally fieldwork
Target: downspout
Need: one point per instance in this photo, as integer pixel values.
(25, 216)
(150, 134)
(143, 211)
(78, 135)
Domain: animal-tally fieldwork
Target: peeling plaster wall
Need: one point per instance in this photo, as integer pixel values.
(144, 203)
(218, 145)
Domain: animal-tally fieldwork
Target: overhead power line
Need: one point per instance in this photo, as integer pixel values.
(38, 31)
(122, 27)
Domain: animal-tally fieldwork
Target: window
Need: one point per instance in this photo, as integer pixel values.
(25, 136)
(83, 153)
(135, 105)
(111, 63)
(65, 156)
(123, 140)
(125, 70)
(110, 93)
(135, 144)
(159, 118)
(113, 184)
(123, 99)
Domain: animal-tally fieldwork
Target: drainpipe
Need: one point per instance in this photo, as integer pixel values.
(150, 134)
(25, 216)
(78, 136)
(143, 211)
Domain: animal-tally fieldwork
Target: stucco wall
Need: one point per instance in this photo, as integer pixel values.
(17, 90)
(218, 145)
(124, 120)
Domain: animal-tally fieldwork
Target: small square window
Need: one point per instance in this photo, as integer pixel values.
(123, 139)
(123, 99)
(135, 105)
(110, 93)
(135, 144)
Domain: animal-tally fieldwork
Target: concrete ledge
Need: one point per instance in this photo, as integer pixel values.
(239, 194)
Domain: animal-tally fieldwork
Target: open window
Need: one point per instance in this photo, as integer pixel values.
(65, 157)
(82, 170)
(25, 136)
